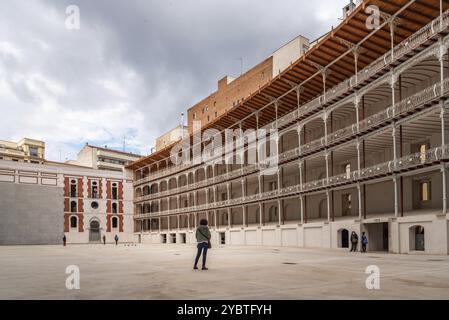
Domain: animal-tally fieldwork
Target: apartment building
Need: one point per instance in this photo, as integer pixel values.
(104, 158)
(174, 135)
(39, 203)
(26, 150)
(361, 145)
(232, 92)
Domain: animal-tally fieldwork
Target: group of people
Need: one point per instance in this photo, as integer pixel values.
(116, 238)
(355, 241)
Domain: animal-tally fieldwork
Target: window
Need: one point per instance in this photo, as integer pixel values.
(208, 118)
(194, 115)
(425, 191)
(73, 188)
(15, 160)
(94, 205)
(216, 114)
(114, 191)
(273, 185)
(114, 208)
(114, 222)
(224, 196)
(73, 222)
(33, 152)
(73, 206)
(94, 189)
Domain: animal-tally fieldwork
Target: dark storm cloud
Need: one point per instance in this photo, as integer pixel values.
(141, 61)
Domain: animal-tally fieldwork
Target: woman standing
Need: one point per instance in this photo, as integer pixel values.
(203, 239)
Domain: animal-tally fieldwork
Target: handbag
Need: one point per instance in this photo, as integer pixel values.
(209, 245)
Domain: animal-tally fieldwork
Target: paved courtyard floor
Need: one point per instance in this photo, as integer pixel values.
(165, 272)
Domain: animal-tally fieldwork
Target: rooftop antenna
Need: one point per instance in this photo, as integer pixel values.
(182, 125)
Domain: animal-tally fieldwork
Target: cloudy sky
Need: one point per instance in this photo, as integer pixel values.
(134, 65)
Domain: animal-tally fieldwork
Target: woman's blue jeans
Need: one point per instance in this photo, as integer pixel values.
(202, 247)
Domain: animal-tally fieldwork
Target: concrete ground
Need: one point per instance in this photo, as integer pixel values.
(165, 272)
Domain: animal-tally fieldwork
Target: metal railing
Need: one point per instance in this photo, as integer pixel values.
(390, 57)
(408, 162)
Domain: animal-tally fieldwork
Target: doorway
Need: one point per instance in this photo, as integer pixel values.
(94, 231)
(417, 241)
(343, 237)
(378, 234)
(222, 238)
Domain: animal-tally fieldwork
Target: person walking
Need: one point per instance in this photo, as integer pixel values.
(364, 241)
(104, 240)
(64, 241)
(203, 243)
(354, 241)
(116, 240)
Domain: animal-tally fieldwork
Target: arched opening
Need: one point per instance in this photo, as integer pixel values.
(73, 222)
(343, 238)
(73, 206)
(417, 239)
(114, 191)
(114, 222)
(94, 231)
(114, 207)
(73, 189)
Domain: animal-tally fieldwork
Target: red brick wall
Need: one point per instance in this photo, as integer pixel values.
(120, 207)
(120, 223)
(80, 187)
(108, 223)
(120, 190)
(100, 189)
(108, 206)
(89, 188)
(80, 205)
(66, 222)
(66, 205)
(80, 222)
(66, 186)
(108, 190)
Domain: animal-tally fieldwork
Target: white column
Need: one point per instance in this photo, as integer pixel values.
(328, 206)
(359, 196)
(443, 176)
(394, 145)
(395, 181)
(280, 211)
(302, 208)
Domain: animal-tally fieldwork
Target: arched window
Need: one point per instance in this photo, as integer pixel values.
(114, 191)
(94, 189)
(73, 206)
(114, 208)
(73, 188)
(73, 222)
(114, 222)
